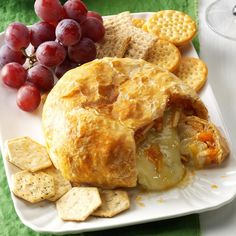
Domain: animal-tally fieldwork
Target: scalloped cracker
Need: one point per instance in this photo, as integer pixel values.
(165, 54)
(192, 71)
(173, 26)
(144, 27)
(138, 22)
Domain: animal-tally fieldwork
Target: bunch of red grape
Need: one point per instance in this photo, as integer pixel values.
(63, 39)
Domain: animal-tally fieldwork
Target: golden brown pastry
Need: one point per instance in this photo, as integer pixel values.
(93, 116)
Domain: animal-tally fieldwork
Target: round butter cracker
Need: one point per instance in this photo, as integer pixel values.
(192, 71)
(173, 26)
(137, 22)
(144, 27)
(165, 54)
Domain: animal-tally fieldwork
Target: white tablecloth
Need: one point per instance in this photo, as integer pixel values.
(220, 56)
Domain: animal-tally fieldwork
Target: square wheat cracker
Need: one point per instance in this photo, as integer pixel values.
(115, 43)
(113, 46)
(27, 154)
(62, 185)
(33, 187)
(120, 27)
(78, 203)
(141, 41)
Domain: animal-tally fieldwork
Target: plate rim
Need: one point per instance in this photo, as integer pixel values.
(124, 224)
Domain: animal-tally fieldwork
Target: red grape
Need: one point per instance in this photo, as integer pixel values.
(68, 32)
(17, 36)
(41, 32)
(13, 74)
(7, 56)
(93, 28)
(41, 77)
(28, 97)
(76, 10)
(83, 52)
(50, 53)
(95, 15)
(50, 11)
(64, 67)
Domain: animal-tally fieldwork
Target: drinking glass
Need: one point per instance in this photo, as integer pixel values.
(221, 18)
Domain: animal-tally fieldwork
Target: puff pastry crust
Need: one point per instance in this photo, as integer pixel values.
(91, 116)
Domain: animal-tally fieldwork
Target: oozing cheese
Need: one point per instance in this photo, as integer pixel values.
(158, 158)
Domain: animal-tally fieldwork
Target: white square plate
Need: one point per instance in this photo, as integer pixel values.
(205, 190)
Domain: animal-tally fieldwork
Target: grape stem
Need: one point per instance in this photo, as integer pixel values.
(24, 52)
(32, 57)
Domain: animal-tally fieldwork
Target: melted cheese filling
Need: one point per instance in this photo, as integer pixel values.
(158, 156)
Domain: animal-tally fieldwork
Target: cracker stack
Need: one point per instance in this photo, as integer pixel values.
(174, 29)
(123, 39)
(38, 180)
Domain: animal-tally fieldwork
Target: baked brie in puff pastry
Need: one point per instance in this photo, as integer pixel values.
(100, 117)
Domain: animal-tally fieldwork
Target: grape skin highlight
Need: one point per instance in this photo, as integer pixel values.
(50, 54)
(50, 11)
(17, 36)
(76, 10)
(68, 32)
(13, 75)
(28, 98)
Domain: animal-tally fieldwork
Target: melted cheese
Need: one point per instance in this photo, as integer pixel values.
(158, 158)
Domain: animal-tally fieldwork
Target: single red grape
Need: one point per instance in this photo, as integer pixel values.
(41, 77)
(82, 52)
(7, 55)
(93, 28)
(13, 75)
(68, 32)
(41, 32)
(50, 11)
(17, 36)
(28, 97)
(76, 10)
(64, 67)
(95, 15)
(50, 53)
